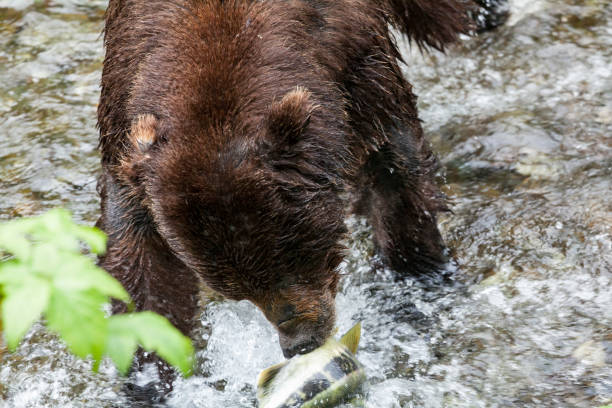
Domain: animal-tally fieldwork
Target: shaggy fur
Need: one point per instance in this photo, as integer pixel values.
(231, 132)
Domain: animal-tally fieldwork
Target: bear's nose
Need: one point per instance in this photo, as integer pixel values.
(298, 336)
(300, 346)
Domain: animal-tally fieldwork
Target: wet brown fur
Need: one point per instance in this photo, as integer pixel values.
(230, 133)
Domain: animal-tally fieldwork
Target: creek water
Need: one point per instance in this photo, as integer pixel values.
(522, 122)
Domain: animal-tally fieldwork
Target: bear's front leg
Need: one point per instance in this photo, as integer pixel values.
(155, 279)
(398, 195)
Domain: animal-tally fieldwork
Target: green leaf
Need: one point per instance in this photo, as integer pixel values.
(55, 227)
(22, 306)
(122, 343)
(46, 259)
(13, 272)
(79, 272)
(49, 275)
(92, 236)
(155, 333)
(79, 319)
(13, 240)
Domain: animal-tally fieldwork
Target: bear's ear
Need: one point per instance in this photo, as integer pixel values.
(132, 167)
(143, 132)
(288, 118)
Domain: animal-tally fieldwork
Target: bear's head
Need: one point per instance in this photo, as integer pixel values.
(253, 210)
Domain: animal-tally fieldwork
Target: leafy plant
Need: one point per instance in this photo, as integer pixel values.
(48, 276)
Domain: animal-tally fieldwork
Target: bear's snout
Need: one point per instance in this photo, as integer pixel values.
(300, 345)
(302, 334)
(303, 315)
(301, 338)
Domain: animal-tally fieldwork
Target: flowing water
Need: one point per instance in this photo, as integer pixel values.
(522, 121)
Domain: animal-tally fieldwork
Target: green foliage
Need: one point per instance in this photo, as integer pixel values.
(49, 276)
(153, 333)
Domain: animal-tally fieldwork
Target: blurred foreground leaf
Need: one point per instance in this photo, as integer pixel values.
(22, 306)
(154, 333)
(49, 276)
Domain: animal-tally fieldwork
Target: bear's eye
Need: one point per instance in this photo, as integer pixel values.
(287, 316)
(287, 325)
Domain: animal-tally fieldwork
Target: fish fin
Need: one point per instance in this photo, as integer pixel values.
(268, 375)
(351, 338)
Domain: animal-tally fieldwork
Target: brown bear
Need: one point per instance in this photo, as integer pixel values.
(232, 134)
